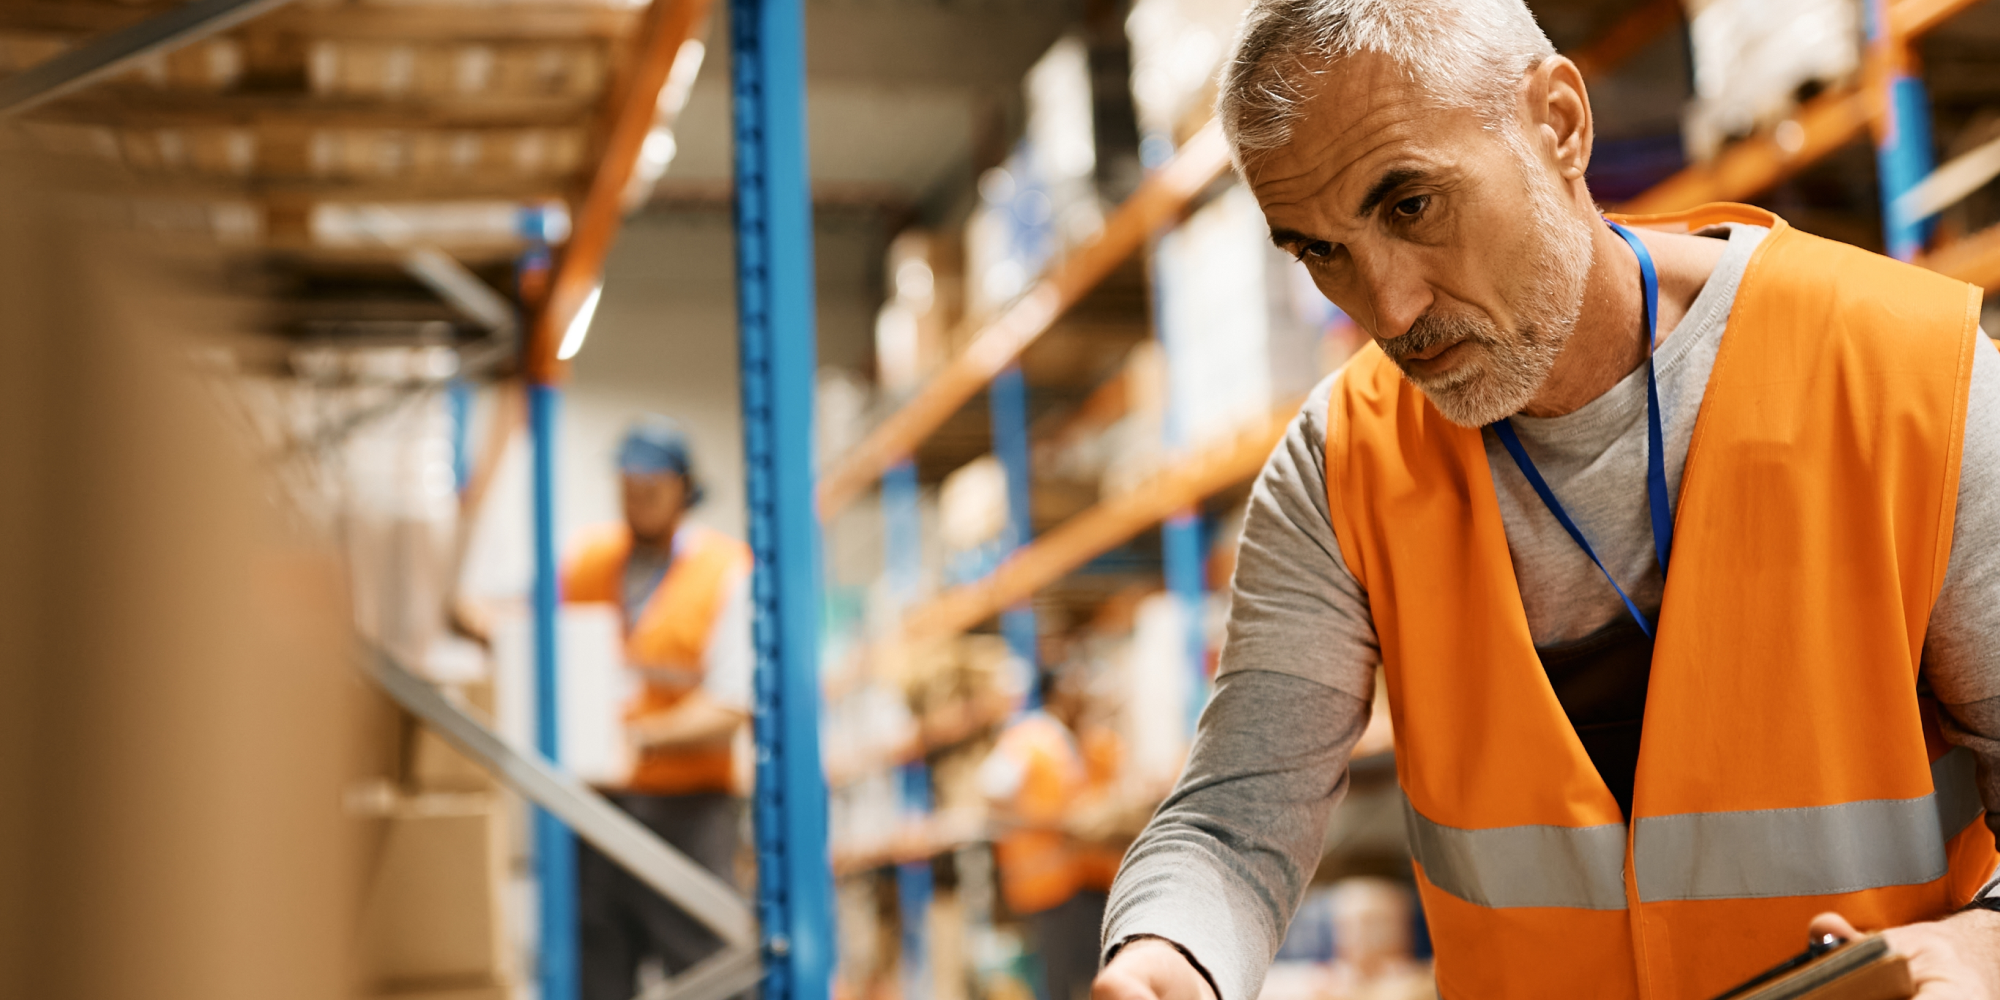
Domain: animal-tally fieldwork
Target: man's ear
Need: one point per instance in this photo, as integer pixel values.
(1560, 107)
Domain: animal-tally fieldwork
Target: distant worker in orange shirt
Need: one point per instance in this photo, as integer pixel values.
(683, 596)
(1033, 777)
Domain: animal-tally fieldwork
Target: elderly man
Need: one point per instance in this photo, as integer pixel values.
(1673, 540)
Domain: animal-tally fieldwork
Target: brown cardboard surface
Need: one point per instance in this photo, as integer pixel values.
(431, 912)
(489, 992)
(437, 766)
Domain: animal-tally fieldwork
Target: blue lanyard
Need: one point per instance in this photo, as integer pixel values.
(1656, 463)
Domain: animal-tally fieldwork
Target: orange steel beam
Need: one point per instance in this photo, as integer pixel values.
(1632, 33)
(1911, 18)
(1101, 528)
(630, 112)
(1159, 201)
(1825, 123)
(1975, 259)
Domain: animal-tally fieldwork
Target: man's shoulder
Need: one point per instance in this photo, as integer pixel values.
(1828, 274)
(596, 558)
(601, 544)
(721, 547)
(1814, 300)
(1366, 373)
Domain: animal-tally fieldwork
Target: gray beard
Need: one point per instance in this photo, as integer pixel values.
(1507, 368)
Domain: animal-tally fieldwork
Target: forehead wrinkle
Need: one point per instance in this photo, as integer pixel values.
(1386, 137)
(1337, 151)
(1318, 186)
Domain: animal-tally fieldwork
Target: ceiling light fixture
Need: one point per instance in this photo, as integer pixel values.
(579, 326)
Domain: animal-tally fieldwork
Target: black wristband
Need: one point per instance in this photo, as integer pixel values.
(1113, 951)
(1990, 903)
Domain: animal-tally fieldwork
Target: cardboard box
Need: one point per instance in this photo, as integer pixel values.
(437, 766)
(490, 992)
(431, 911)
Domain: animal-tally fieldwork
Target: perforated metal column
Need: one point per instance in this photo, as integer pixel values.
(903, 561)
(775, 305)
(1903, 155)
(1007, 407)
(1181, 536)
(555, 846)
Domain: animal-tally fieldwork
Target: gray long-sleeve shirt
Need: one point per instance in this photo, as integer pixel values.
(1228, 856)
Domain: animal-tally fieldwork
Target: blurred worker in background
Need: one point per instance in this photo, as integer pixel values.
(683, 592)
(1674, 540)
(1099, 822)
(1373, 956)
(1032, 778)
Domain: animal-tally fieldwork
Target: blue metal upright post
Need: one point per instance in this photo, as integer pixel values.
(1007, 408)
(555, 846)
(914, 886)
(1903, 140)
(774, 235)
(902, 534)
(1181, 556)
(1182, 565)
(458, 402)
(903, 563)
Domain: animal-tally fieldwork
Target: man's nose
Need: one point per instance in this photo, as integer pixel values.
(1397, 294)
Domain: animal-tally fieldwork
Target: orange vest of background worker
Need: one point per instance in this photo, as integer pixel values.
(668, 643)
(1789, 763)
(1034, 776)
(1103, 754)
(682, 593)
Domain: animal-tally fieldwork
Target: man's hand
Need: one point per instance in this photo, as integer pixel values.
(1151, 969)
(1957, 958)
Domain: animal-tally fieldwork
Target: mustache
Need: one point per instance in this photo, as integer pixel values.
(1432, 330)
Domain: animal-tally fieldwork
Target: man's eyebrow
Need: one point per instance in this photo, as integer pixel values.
(1395, 178)
(1289, 237)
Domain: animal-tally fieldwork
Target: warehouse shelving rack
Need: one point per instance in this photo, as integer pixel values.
(773, 216)
(785, 941)
(1881, 100)
(995, 347)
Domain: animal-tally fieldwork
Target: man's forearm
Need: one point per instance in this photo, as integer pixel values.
(1227, 857)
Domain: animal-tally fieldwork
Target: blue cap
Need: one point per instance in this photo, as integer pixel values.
(654, 444)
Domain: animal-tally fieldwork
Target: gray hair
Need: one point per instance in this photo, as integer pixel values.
(1463, 53)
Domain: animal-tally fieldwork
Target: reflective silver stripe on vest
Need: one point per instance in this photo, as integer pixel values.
(1575, 866)
(1719, 855)
(1811, 851)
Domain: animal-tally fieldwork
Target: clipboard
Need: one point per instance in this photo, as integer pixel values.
(1861, 969)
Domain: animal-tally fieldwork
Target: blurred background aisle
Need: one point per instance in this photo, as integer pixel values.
(1054, 344)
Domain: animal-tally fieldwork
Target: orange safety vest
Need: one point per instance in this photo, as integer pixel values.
(1103, 758)
(1788, 764)
(1038, 868)
(668, 641)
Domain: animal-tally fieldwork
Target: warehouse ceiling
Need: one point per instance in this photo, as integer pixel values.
(903, 97)
(320, 140)
(279, 137)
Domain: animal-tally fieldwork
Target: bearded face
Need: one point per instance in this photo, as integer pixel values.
(1503, 368)
(1457, 234)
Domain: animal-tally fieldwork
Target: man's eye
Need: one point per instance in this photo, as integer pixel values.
(1411, 207)
(1316, 250)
